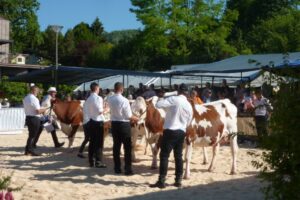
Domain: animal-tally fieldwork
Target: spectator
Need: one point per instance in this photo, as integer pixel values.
(195, 97)
(225, 89)
(149, 92)
(262, 108)
(140, 91)
(206, 90)
(207, 96)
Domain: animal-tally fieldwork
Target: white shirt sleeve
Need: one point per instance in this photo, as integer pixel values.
(165, 103)
(99, 105)
(127, 110)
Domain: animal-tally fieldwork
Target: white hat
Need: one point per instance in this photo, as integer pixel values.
(52, 89)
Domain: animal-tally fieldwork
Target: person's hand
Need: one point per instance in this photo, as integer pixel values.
(134, 119)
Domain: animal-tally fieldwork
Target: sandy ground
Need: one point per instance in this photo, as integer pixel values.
(60, 174)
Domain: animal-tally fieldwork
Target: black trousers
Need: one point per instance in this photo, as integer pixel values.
(86, 138)
(171, 140)
(121, 135)
(53, 134)
(261, 123)
(95, 131)
(33, 123)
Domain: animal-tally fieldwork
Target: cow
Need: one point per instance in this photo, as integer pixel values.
(153, 120)
(69, 113)
(213, 123)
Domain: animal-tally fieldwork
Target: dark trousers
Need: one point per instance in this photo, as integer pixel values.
(121, 135)
(33, 124)
(86, 138)
(171, 140)
(53, 134)
(95, 131)
(261, 123)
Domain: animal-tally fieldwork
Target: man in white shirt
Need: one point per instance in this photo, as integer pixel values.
(179, 114)
(33, 113)
(49, 114)
(262, 106)
(94, 112)
(120, 126)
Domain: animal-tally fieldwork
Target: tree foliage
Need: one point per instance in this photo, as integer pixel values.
(281, 167)
(24, 23)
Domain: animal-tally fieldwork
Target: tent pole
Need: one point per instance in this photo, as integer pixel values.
(170, 82)
(127, 82)
(123, 79)
(160, 82)
(212, 81)
(201, 78)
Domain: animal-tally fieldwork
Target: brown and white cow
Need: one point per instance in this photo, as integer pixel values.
(212, 124)
(153, 120)
(69, 113)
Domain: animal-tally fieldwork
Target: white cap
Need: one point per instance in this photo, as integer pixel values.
(52, 89)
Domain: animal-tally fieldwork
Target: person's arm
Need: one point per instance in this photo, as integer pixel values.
(38, 108)
(99, 105)
(165, 103)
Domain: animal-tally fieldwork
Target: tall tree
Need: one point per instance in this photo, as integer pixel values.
(24, 23)
(97, 29)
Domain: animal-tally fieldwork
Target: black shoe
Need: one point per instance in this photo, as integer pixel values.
(92, 164)
(80, 155)
(178, 184)
(129, 173)
(118, 171)
(158, 184)
(100, 165)
(34, 146)
(31, 153)
(59, 145)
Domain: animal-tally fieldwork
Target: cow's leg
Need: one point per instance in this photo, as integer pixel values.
(147, 137)
(188, 157)
(215, 153)
(71, 137)
(154, 150)
(204, 156)
(234, 151)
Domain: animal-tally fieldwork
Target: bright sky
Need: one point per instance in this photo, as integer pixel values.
(114, 14)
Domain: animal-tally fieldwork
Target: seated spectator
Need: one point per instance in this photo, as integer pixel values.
(139, 91)
(195, 97)
(221, 95)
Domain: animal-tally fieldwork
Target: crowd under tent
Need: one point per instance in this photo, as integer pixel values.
(246, 68)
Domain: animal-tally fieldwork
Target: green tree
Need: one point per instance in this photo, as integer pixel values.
(13, 91)
(278, 34)
(98, 30)
(24, 23)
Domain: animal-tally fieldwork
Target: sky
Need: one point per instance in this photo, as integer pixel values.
(114, 14)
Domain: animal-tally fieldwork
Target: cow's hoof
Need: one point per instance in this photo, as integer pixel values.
(204, 163)
(186, 177)
(233, 173)
(210, 170)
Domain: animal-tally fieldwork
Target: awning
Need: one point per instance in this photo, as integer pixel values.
(77, 75)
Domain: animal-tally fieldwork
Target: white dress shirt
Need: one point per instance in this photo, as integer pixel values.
(94, 106)
(31, 105)
(119, 108)
(179, 112)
